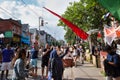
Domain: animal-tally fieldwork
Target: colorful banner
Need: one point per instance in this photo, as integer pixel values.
(113, 6)
(79, 32)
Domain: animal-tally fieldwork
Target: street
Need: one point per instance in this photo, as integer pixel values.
(86, 71)
(84, 29)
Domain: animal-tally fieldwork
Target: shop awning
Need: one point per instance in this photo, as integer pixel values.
(26, 41)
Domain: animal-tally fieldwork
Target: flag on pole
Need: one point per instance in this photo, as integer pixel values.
(79, 32)
(99, 34)
(113, 6)
(110, 34)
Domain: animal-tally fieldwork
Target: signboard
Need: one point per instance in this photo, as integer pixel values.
(16, 39)
(8, 34)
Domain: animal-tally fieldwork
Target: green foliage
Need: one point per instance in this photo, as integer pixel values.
(86, 14)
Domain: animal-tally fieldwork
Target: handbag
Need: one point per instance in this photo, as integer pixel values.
(68, 63)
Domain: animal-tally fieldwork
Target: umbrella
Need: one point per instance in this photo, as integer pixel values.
(2, 36)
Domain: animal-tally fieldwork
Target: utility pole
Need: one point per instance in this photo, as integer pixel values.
(39, 30)
(41, 23)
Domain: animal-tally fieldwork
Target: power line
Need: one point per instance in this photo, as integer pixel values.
(30, 8)
(54, 33)
(8, 12)
(31, 2)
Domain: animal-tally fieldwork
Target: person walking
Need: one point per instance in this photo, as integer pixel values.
(19, 72)
(68, 59)
(82, 54)
(75, 55)
(7, 55)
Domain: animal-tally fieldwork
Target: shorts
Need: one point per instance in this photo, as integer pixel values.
(44, 62)
(33, 62)
(6, 66)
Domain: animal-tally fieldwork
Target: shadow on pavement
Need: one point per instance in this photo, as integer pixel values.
(88, 66)
(84, 79)
(34, 78)
(67, 79)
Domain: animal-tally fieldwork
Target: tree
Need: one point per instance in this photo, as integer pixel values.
(86, 14)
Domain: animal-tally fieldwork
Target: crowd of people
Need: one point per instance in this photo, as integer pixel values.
(111, 62)
(54, 59)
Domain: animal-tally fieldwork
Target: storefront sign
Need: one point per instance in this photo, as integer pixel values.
(8, 34)
(16, 39)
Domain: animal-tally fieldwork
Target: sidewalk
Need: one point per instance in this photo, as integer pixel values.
(85, 71)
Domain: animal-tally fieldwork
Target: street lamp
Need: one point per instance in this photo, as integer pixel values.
(40, 22)
(40, 18)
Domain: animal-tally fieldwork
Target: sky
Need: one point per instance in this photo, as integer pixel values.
(29, 11)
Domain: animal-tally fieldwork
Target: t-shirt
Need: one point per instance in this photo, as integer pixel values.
(113, 58)
(34, 54)
(75, 52)
(46, 56)
(111, 70)
(7, 55)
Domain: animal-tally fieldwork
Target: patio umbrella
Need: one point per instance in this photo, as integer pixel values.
(2, 36)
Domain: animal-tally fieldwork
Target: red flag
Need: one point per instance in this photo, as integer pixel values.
(99, 34)
(79, 32)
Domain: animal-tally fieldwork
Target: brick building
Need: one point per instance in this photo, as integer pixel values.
(11, 30)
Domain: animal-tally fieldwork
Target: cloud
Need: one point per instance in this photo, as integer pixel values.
(31, 12)
(21, 11)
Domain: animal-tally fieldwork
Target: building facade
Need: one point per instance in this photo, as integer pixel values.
(11, 30)
(34, 36)
(25, 36)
